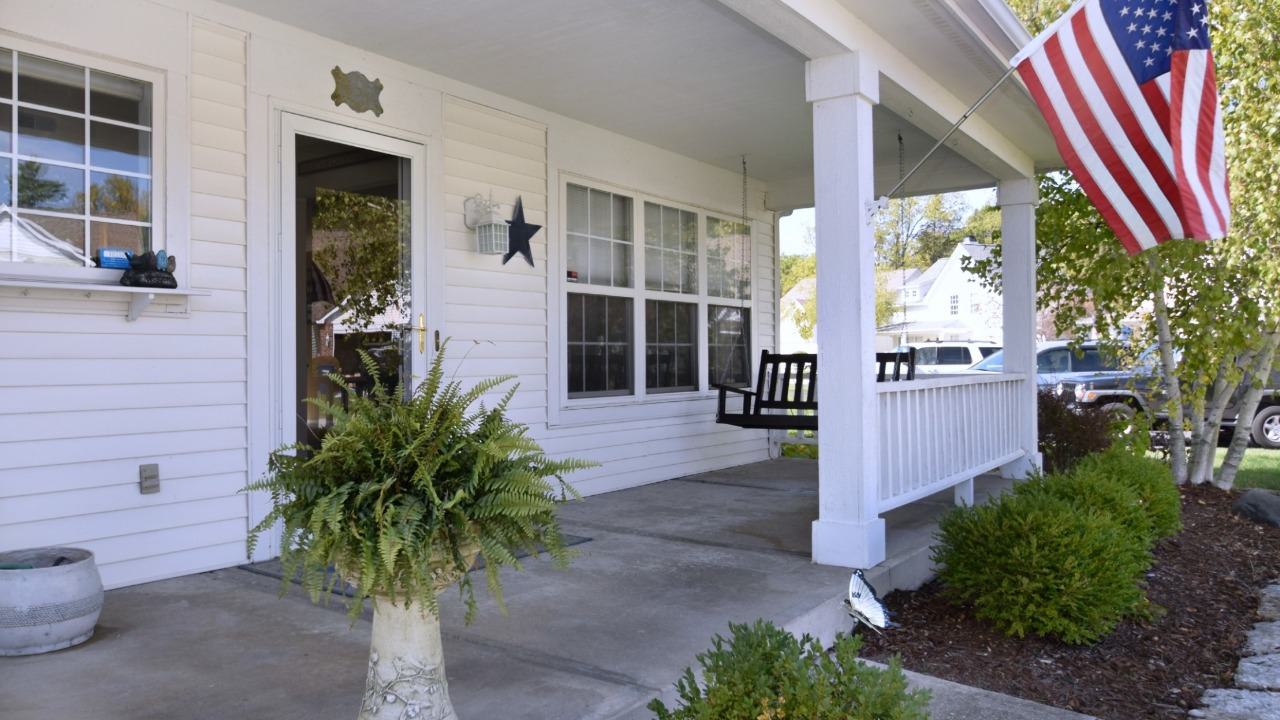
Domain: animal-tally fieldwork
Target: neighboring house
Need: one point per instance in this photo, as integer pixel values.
(943, 302)
(313, 212)
(793, 309)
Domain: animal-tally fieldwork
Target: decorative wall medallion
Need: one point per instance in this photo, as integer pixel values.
(356, 90)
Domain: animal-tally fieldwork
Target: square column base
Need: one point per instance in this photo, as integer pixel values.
(1022, 467)
(851, 545)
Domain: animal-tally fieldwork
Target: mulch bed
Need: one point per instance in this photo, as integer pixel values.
(1207, 580)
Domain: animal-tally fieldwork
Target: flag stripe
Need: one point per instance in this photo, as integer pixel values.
(1091, 143)
(1079, 167)
(1128, 90)
(1129, 125)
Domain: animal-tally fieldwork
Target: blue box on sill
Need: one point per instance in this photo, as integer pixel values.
(114, 258)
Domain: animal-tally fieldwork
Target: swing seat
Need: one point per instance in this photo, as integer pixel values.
(785, 396)
(786, 392)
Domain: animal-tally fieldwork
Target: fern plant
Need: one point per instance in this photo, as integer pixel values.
(403, 493)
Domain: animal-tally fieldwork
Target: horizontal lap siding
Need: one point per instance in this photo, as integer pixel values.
(87, 397)
(495, 314)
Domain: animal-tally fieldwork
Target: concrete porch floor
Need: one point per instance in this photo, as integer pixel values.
(667, 566)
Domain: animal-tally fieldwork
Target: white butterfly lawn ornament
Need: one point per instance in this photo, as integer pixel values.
(864, 606)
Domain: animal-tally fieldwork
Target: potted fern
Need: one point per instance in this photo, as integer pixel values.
(404, 492)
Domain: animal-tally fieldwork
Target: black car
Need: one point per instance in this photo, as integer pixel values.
(1139, 390)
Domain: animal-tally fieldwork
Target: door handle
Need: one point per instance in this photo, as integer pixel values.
(422, 334)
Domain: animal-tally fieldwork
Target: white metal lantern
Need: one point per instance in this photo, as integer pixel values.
(485, 217)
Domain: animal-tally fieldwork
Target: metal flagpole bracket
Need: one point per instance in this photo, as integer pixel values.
(875, 206)
(941, 141)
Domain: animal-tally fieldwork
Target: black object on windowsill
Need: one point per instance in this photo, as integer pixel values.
(150, 270)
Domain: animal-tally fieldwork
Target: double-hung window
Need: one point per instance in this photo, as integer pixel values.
(77, 163)
(658, 296)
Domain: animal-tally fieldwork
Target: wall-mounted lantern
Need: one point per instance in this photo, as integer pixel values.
(485, 217)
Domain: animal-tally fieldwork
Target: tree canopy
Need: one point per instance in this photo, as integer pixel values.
(1209, 305)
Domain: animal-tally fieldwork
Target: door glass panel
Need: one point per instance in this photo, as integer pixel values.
(353, 261)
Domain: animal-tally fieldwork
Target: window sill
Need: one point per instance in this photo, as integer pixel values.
(141, 296)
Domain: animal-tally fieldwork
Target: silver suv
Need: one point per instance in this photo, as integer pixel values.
(1057, 361)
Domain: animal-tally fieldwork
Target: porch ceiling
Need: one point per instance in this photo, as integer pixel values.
(691, 76)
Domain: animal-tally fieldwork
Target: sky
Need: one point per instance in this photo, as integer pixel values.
(791, 229)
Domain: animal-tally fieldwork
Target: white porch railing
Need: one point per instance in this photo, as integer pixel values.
(939, 433)
(943, 432)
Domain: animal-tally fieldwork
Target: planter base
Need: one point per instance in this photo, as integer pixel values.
(50, 600)
(406, 667)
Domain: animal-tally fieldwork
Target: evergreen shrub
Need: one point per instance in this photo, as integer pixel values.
(1148, 477)
(763, 672)
(1035, 564)
(1093, 491)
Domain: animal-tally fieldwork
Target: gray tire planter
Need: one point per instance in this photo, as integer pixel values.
(46, 606)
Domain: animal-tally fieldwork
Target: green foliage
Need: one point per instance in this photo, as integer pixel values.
(1032, 563)
(916, 232)
(1067, 434)
(794, 268)
(360, 243)
(800, 450)
(1148, 478)
(1221, 313)
(403, 492)
(763, 672)
(1091, 490)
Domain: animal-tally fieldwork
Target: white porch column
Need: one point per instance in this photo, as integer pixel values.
(1018, 227)
(848, 531)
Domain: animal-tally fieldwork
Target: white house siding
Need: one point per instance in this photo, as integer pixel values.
(495, 314)
(192, 385)
(87, 396)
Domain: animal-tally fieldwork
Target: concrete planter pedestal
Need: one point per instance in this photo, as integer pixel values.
(406, 666)
(50, 599)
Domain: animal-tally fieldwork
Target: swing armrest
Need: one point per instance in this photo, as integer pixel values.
(747, 397)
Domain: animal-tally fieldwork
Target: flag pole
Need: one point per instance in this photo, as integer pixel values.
(952, 131)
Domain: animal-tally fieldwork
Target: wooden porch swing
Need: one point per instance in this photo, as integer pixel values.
(786, 391)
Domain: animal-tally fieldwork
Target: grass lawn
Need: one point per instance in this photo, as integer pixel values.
(1259, 468)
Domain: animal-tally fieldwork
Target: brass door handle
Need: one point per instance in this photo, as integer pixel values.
(422, 334)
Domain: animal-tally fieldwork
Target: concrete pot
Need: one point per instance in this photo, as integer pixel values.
(51, 605)
(406, 666)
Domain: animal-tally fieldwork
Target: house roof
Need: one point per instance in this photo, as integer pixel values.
(28, 242)
(801, 292)
(717, 80)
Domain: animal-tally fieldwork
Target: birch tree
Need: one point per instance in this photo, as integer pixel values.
(1209, 307)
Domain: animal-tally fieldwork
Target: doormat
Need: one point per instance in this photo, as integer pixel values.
(272, 569)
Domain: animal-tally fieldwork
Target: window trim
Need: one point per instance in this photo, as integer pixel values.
(567, 411)
(169, 170)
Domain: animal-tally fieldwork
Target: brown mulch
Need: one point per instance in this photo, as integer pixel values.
(1207, 580)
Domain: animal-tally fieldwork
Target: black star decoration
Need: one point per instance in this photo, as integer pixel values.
(519, 234)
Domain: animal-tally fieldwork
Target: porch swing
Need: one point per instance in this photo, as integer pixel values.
(785, 396)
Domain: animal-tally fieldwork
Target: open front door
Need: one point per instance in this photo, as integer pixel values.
(352, 207)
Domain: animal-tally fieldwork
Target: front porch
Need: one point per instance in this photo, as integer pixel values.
(667, 566)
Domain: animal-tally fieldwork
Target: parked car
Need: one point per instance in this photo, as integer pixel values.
(1057, 361)
(951, 356)
(1138, 390)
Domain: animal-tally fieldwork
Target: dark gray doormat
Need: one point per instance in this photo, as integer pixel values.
(271, 568)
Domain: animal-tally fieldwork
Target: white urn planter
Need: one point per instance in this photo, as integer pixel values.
(50, 599)
(406, 666)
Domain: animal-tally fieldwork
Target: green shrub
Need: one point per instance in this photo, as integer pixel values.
(763, 672)
(1067, 434)
(1149, 478)
(1093, 491)
(1033, 563)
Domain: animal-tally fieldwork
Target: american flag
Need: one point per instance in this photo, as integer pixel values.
(1128, 89)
